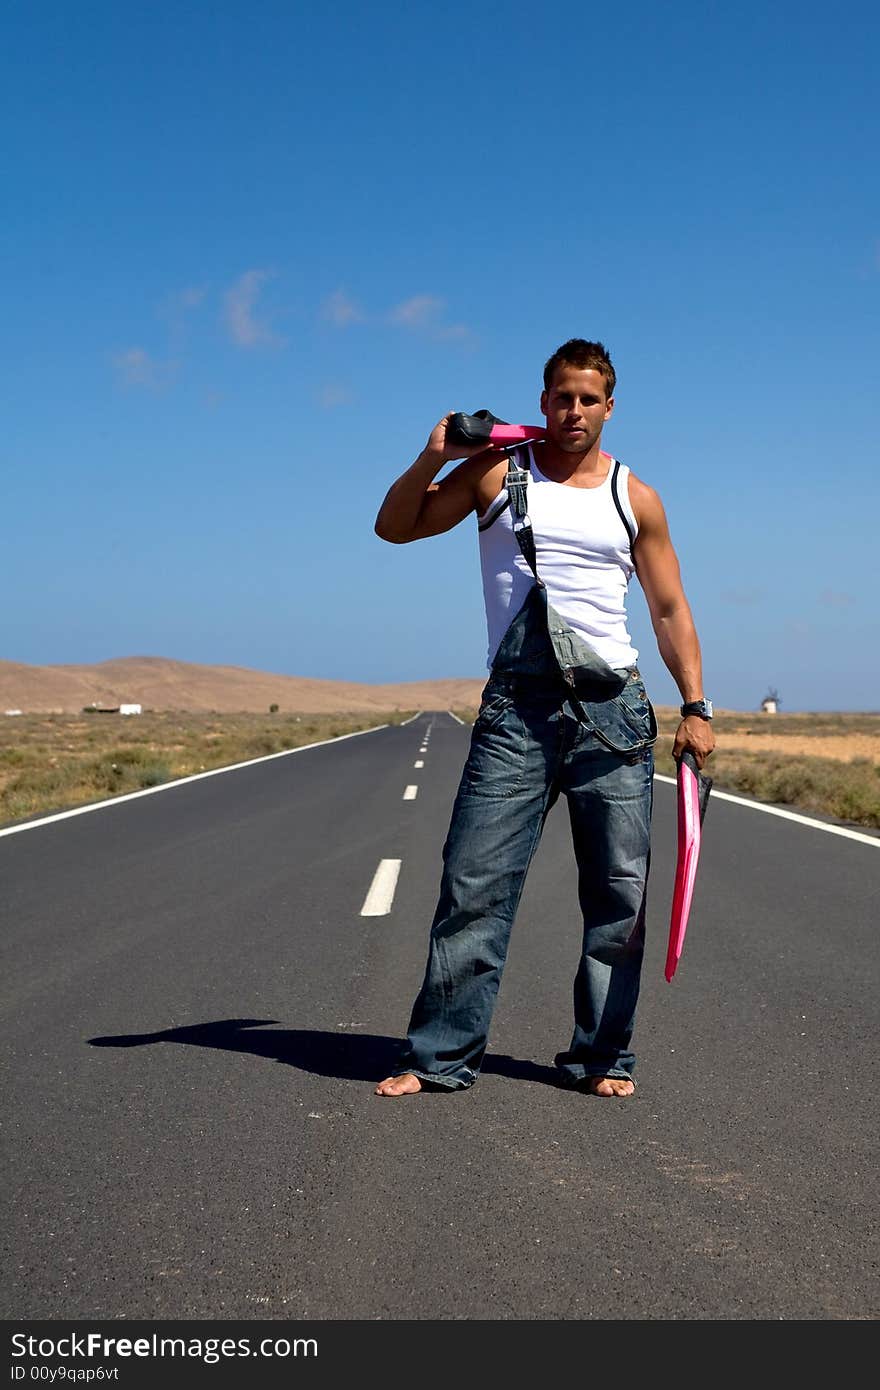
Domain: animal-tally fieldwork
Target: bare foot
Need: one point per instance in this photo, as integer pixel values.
(405, 1085)
(609, 1086)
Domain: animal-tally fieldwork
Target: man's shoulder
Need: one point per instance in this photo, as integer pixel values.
(639, 489)
(485, 473)
(645, 501)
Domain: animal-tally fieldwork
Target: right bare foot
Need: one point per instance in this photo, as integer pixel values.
(405, 1085)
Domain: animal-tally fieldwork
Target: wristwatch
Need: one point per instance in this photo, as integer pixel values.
(701, 707)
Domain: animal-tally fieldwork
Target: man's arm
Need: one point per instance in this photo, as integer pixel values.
(415, 506)
(659, 575)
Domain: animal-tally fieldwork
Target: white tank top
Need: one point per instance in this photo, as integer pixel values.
(584, 558)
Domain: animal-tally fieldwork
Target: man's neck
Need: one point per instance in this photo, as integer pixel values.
(579, 469)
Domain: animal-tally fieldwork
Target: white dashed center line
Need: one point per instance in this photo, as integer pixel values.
(418, 763)
(410, 793)
(381, 895)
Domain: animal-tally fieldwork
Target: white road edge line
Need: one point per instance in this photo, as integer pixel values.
(455, 717)
(380, 896)
(410, 720)
(786, 815)
(418, 763)
(410, 793)
(179, 781)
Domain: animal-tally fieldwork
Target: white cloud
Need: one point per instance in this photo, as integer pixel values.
(191, 297)
(176, 309)
(420, 311)
(245, 328)
(423, 313)
(334, 394)
(341, 310)
(744, 597)
(449, 331)
(180, 302)
(137, 368)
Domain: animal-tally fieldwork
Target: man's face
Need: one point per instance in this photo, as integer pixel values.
(576, 408)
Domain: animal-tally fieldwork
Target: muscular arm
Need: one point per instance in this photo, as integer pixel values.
(660, 577)
(415, 506)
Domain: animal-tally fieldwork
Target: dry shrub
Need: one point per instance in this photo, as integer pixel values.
(823, 786)
(54, 763)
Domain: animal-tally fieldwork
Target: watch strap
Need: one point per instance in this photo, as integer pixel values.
(702, 708)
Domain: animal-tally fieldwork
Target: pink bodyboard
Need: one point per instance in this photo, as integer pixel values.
(693, 793)
(515, 434)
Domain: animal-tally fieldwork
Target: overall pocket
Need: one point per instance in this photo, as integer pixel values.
(494, 706)
(625, 723)
(577, 660)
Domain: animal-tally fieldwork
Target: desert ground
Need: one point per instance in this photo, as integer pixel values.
(58, 751)
(161, 684)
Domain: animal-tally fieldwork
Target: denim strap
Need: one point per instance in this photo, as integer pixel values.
(573, 656)
(516, 482)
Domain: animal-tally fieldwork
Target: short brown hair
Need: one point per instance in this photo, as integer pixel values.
(577, 352)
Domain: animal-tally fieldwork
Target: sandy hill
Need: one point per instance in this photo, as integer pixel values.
(161, 684)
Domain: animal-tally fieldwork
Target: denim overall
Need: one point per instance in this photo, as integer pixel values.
(554, 718)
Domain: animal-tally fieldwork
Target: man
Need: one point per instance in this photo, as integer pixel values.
(564, 710)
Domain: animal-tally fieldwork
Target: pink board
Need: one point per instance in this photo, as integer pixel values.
(693, 793)
(515, 434)
(484, 428)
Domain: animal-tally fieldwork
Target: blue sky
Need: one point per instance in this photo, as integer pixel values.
(254, 251)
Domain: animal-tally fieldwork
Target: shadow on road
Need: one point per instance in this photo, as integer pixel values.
(349, 1056)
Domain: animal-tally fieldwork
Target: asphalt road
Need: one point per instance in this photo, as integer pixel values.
(194, 1011)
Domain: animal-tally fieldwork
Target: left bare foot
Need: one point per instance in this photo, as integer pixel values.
(406, 1085)
(609, 1086)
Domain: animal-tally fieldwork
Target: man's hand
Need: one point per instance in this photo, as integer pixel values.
(416, 506)
(438, 447)
(694, 735)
